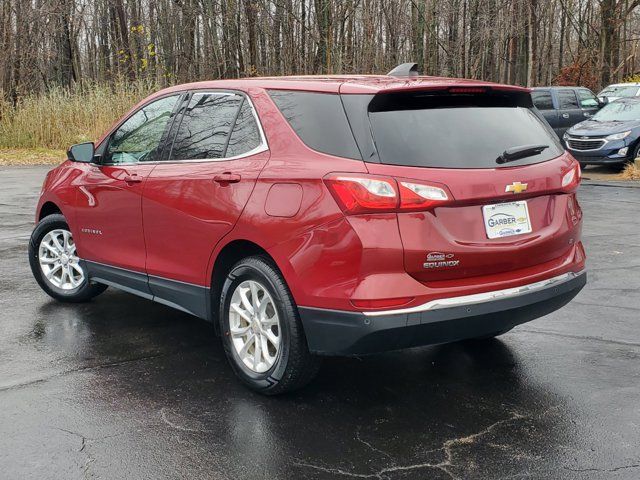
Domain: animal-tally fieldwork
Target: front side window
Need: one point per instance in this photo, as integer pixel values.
(205, 126)
(138, 138)
(542, 99)
(567, 100)
(587, 99)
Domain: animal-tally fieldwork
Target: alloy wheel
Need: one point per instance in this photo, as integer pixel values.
(58, 260)
(254, 326)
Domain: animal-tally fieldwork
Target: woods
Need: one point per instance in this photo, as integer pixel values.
(62, 43)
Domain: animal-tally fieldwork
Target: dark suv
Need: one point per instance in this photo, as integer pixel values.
(563, 107)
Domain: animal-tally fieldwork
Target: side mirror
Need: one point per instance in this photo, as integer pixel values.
(82, 152)
(602, 101)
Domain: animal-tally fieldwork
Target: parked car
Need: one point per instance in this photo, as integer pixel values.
(610, 137)
(310, 216)
(563, 107)
(619, 90)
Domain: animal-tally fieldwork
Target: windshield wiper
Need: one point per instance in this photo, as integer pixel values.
(522, 151)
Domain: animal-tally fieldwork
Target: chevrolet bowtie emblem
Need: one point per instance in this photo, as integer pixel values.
(516, 187)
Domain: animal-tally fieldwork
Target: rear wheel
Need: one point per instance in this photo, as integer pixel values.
(55, 264)
(261, 330)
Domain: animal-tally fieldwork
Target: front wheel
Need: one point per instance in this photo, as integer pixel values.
(261, 330)
(55, 264)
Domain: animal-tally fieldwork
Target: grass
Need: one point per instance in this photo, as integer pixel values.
(31, 156)
(61, 117)
(631, 171)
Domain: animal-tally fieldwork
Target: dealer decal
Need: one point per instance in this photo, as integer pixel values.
(440, 260)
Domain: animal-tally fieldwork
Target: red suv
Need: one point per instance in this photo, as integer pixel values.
(311, 216)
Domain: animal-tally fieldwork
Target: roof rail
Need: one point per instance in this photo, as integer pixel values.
(405, 70)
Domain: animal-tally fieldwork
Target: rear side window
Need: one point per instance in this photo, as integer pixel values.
(319, 120)
(245, 135)
(567, 100)
(205, 126)
(542, 100)
(424, 130)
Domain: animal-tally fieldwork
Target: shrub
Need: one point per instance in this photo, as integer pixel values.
(62, 117)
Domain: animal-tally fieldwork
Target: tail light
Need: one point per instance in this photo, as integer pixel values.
(571, 179)
(361, 193)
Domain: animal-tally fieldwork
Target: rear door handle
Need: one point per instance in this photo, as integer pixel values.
(133, 178)
(565, 115)
(226, 177)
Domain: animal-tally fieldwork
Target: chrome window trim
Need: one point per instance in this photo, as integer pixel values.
(263, 147)
(479, 297)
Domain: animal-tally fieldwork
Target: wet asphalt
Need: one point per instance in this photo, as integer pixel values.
(125, 388)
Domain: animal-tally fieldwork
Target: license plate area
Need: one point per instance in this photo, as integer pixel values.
(506, 219)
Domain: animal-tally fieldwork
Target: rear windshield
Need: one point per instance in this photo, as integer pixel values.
(466, 131)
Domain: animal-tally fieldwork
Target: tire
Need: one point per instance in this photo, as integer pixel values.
(271, 370)
(77, 287)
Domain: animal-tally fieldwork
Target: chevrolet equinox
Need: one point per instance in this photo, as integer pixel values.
(321, 215)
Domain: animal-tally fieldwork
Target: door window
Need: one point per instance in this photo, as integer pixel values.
(567, 100)
(205, 126)
(587, 99)
(542, 99)
(138, 138)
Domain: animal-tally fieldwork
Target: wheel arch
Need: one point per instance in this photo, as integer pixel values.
(229, 255)
(48, 208)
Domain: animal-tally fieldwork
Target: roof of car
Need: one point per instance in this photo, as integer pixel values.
(345, 83)
(627, 100)
(626, 84)
(558, 87)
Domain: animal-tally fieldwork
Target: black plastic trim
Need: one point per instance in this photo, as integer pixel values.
(186, 297)
(127, 280)
(331, 332)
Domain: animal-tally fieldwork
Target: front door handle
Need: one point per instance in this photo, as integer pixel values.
(226, 177)
(133, 178)
(565, 115)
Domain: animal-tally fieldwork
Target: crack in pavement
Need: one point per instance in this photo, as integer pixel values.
(364, 442)
(84, 442)
(578, 337)
(635, 309)
(613, 469)
(96, 367)
(447, 448)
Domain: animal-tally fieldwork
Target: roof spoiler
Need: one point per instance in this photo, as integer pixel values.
(405, 70)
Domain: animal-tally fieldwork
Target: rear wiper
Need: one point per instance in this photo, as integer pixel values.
(523, 151)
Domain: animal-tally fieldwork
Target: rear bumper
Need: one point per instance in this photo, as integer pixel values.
(331, 332)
